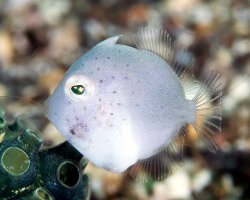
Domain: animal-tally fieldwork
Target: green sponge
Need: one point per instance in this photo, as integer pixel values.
(27, 173)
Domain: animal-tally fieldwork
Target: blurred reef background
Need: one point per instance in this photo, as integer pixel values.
(39, 40)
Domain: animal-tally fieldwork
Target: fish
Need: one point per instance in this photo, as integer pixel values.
(128, 107)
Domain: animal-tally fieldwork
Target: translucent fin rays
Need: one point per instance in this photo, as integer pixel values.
(161, 164)
(208, 110)
(161, 43)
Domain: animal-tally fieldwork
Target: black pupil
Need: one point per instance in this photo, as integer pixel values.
(78, 89)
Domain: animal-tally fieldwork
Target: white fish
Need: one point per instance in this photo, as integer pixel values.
(127, 107)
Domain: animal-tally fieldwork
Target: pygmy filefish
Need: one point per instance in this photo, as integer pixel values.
(127, 107)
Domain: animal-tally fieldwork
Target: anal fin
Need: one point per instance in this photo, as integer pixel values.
(158, 166)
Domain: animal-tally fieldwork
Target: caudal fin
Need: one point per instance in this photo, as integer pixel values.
(208, 110)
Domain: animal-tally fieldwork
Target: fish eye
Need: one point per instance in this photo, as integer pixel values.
(79, 88)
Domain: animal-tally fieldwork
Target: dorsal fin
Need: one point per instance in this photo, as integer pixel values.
(158, 166)
(161, 43)
(109, 41)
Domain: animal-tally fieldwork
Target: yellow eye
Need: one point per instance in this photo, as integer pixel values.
(78, 89)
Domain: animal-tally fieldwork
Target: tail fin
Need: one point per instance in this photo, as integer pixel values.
(208, 110)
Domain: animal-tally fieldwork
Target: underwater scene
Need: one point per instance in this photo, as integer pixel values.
(125, 100)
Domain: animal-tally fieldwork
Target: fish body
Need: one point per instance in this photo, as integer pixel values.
(132, 108)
